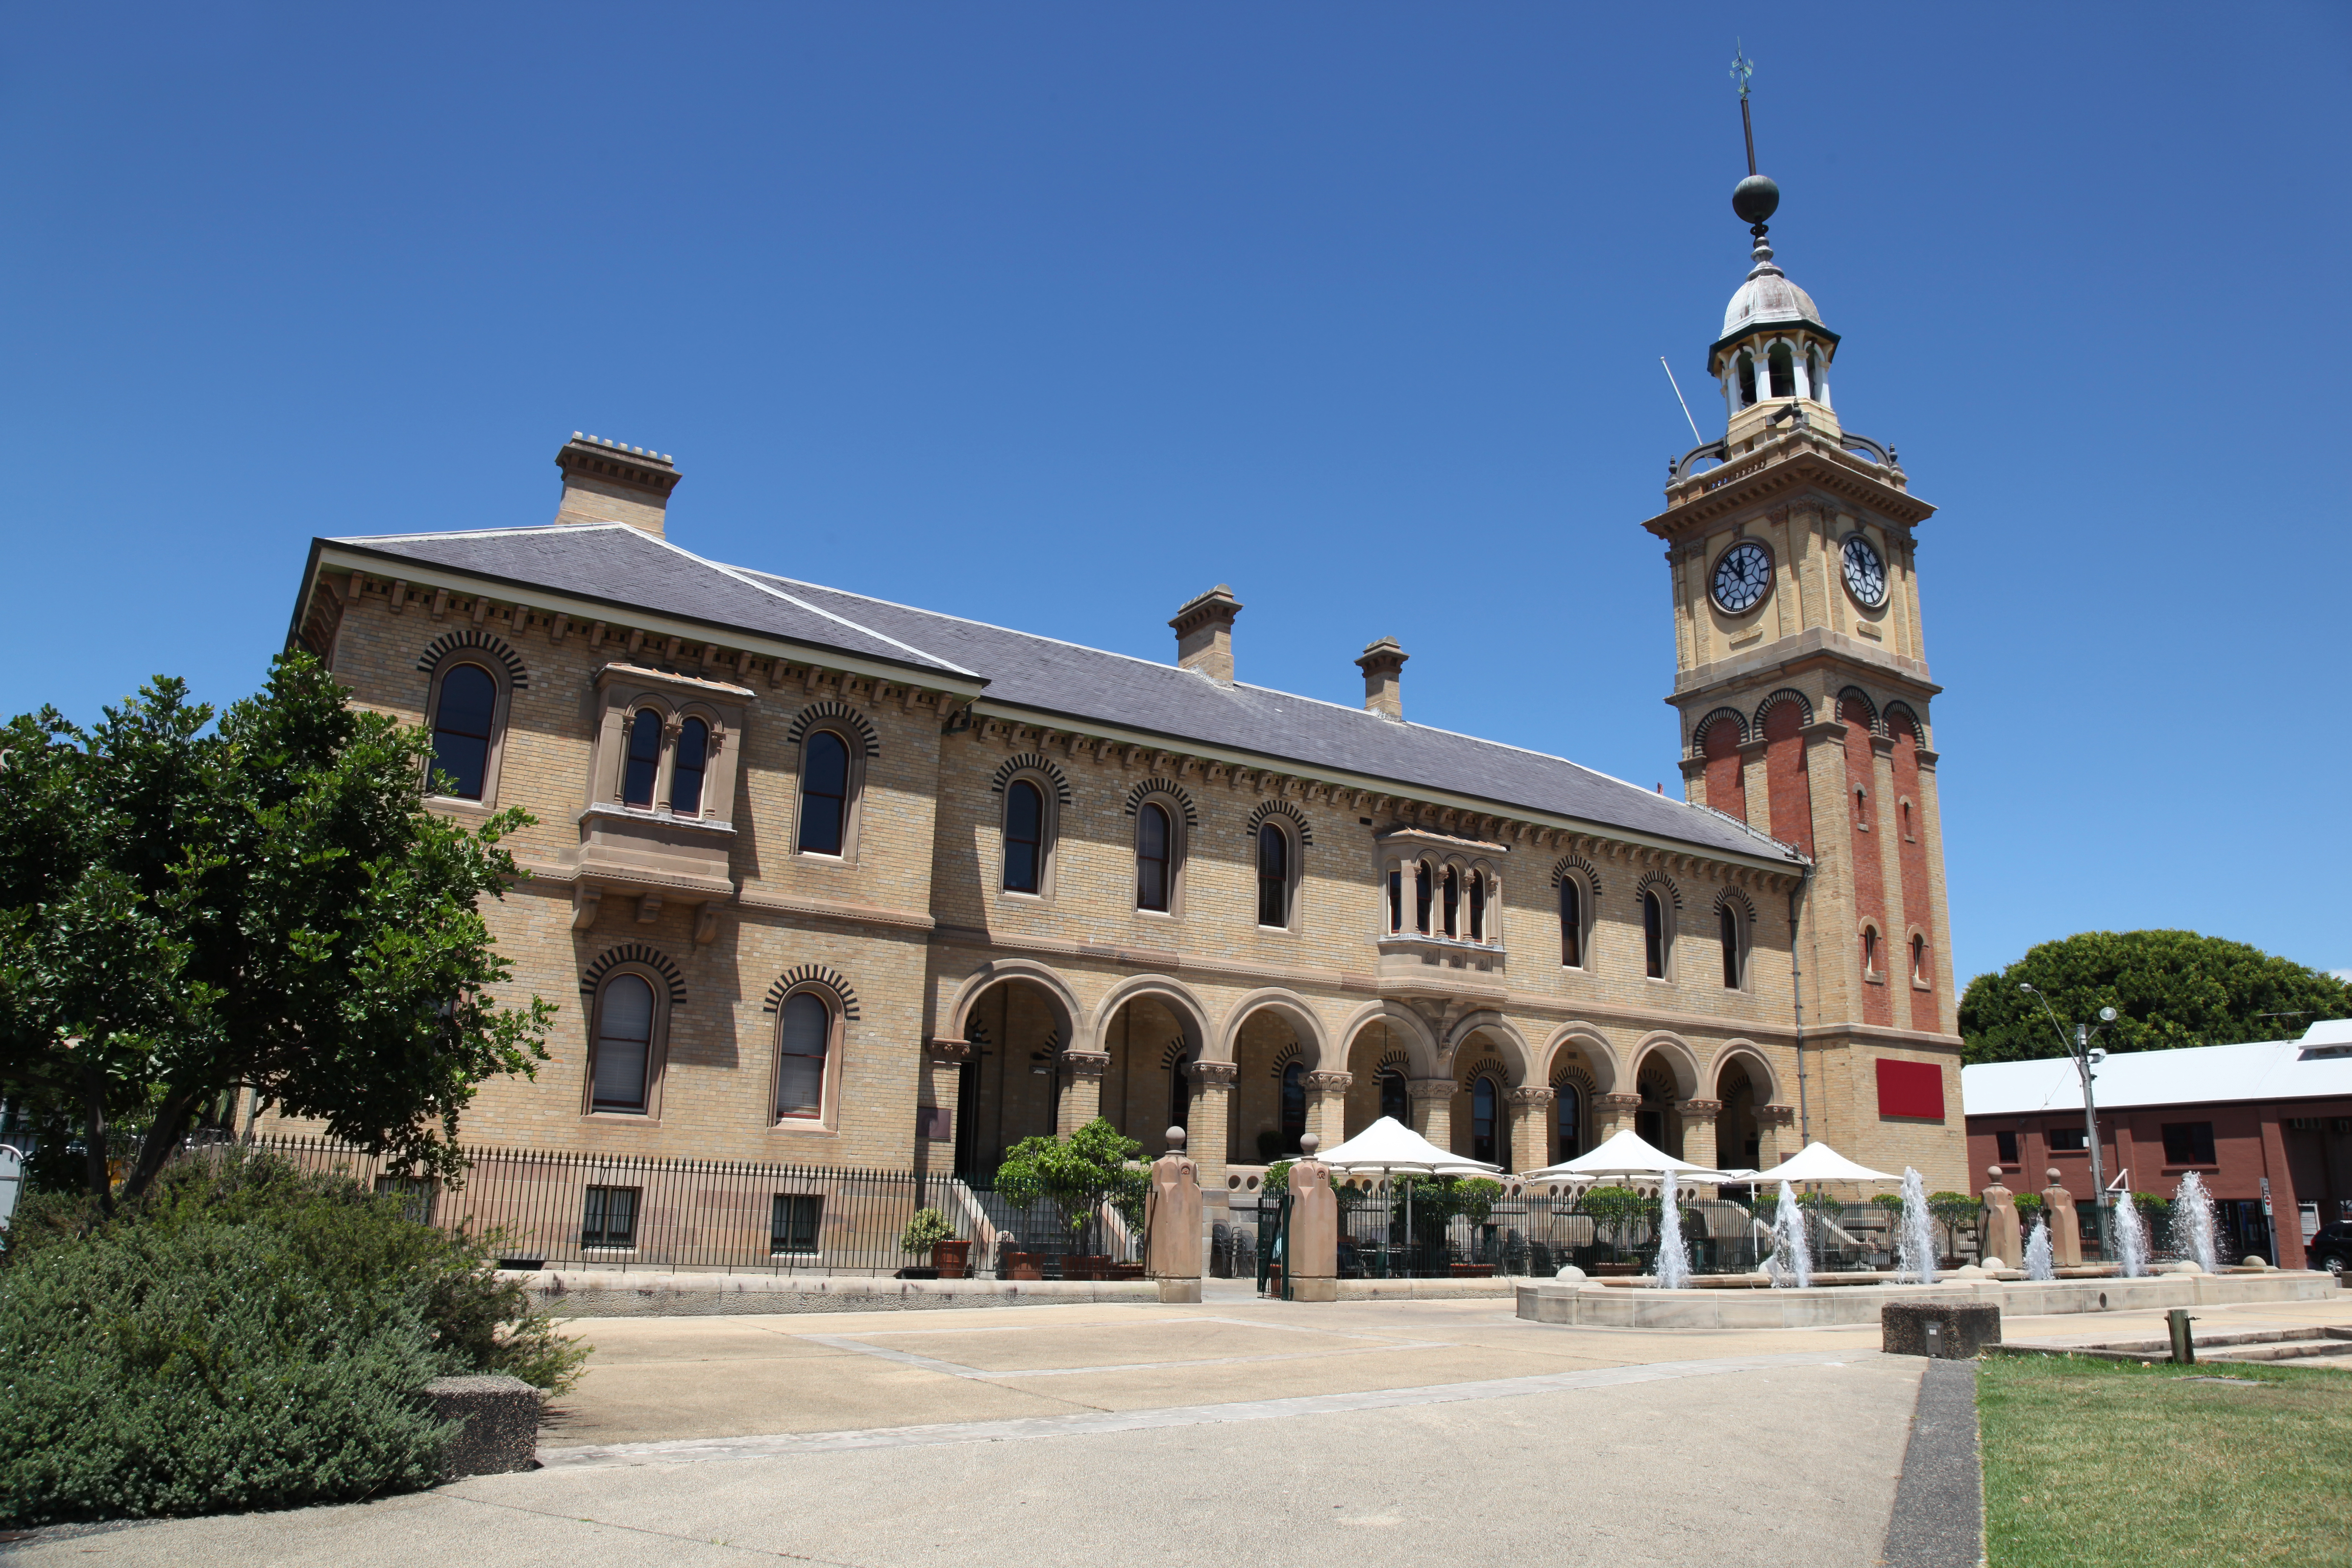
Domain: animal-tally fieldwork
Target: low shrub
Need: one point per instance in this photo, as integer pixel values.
(244, 1335)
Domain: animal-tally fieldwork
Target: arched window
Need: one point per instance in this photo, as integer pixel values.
(1024, 836)
(1453, 902)
(1907, 822)
(1567, 1120)
(1478, 907)
(1394, 1101)
(1729, 919)
(824, 793)
(1482, 1120)
(1654, 933)
(1747, 380)
(804, 1032)
(1870, 950)
(1571, 922)
(1294, 1107)
(625, 1041)
(1151, 857)
(1396, 900)
(1179, 1092)
(1814, 374)
(1421, 892)
(1784, 370)
(461, 730)
(645, 759)
(1273, 876)
(1861, 809)
(1918, 958)
(687, 766)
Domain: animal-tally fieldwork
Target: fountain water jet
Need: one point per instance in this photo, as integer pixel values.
(1674, 1257)
(2192, 1224)
(2131, 1238)
(1914, 1241)
(1792, 1250)
(2038, 1262)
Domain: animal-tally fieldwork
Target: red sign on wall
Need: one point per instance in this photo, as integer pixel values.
(1910, 1089)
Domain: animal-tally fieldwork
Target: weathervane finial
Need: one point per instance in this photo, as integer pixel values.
(1742, 68)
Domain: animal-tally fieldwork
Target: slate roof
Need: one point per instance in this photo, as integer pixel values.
(627, 567)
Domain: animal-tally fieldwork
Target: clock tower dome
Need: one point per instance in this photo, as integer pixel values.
(1800, 680)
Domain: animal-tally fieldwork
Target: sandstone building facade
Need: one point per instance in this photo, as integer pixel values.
(825, 880)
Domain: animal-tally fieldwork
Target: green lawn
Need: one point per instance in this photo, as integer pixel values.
(2092, 1463)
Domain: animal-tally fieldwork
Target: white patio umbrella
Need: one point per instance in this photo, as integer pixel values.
(1817, 1162)
(1388, 1148)
(1625, 1155)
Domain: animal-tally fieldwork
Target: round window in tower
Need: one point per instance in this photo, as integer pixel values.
(1742, 575)
(1865, 573)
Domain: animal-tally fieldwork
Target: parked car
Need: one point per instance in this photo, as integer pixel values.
(2331, 1248)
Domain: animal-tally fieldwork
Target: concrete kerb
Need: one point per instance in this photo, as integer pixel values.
(1610, 1306)
(603, 1293)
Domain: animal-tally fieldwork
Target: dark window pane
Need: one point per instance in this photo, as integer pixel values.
(1024, 827)
(1294, 1107)
(625, 1034)
(2005, 1146)
(1273, 877)
(1394, 1101)
(461, 730)
(1482, 1120)
(1730, 923)
(1151, 858)
(1420, 891)
(803, 1033)
(1477, 908)
(2073, 1140)
(1567, 1111)
(1653, 934)
(609, 1217)
(644, 758)
(1572, 923)
(1396, 900)
(793, 1225)
(2188, 1143)
(1180, 1093)
(686, 768)
(1453, 902)
(824, 793)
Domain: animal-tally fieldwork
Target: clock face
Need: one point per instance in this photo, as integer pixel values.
(1741, 576)
(1865, 574)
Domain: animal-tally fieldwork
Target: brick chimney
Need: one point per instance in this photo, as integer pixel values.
(606, 482)
(1204, 633)
(1383, 667)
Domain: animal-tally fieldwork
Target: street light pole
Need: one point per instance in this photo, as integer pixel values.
(2078, 1048)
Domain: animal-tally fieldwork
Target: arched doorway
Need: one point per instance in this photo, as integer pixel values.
(1659, 1120)
(1380, 1065)
(1008, 1087)
(1147, 1085)
(1481, 1121)
(1738, 1139)
(1270, 1097)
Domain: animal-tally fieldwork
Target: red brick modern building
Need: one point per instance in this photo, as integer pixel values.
(2273, 1112)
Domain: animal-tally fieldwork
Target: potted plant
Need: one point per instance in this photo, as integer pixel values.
(929, 1231)
(1612, 1210)
(1077, 1175)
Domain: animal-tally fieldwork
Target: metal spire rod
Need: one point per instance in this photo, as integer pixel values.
(1742, 68)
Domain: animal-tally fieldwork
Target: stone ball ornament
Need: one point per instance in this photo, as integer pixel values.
(1175, 1139)
(1755, 199)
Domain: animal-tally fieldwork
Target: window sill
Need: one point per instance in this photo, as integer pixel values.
(805, 1126)
(643, 1117)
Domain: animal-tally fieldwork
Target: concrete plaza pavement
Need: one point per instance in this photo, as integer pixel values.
(1380, 1433)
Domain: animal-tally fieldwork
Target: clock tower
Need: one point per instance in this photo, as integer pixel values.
(1801, 679)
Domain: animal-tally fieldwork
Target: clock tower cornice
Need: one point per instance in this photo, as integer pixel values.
(1778, 472)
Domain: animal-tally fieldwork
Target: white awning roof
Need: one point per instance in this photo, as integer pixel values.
(1624, 1155)
(1817, 1162)
(1388, 1147)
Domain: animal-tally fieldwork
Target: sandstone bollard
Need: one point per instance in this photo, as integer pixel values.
(1171, 1223)
(2001, 1239)
(2065, 1230)
(1311, 1247)
(502, 1424)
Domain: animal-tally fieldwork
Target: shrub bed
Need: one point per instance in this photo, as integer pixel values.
(246, 1336)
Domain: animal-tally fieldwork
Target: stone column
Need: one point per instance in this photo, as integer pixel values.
(1082, 1089)
(2000, 1234)
(1699, 1130)
(1773, 1142)
(1530, 1127)
(2065, 1230)
(1432, 1106)
(1327, 1105)
(1212, 1124)
(1611, 1114)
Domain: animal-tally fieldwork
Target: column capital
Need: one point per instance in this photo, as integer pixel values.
(1431, 1088)
(1776, 1115)
(1330, 1082)
(1087, 1064)
(1701, 1108)
(1530, 1095)
(1214, 1075)
(1617, 1102)
(942, 1049)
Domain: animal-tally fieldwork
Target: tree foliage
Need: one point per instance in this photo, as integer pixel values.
(1077, 1173)
(2171, 988)
(185, 909)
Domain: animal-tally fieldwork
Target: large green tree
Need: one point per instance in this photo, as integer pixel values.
(187, 909)
(2169, 988)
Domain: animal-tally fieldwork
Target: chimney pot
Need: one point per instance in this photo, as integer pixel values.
(607, 481)
(1204, 633)
(1383, 666)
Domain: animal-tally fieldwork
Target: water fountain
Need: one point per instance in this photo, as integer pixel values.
(2038, 1263)
(1674, 1257)
(2192, 1224)
(1792, 1249)
(2131, 1238)
(1915, 1240)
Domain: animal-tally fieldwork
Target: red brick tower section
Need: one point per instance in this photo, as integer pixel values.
(1908, 820)
(1726, 784)
(1871, 943)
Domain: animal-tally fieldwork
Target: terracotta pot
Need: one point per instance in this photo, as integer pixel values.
(1127, 1270)
(1028, 1265)
(1077, 1267)
(1616, 1270)
(951, 1258)
(1471, 1270)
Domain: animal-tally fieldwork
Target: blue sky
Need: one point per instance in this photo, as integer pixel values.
(1055, 314)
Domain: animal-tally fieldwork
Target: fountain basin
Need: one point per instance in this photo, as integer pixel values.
(1595, 1305)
